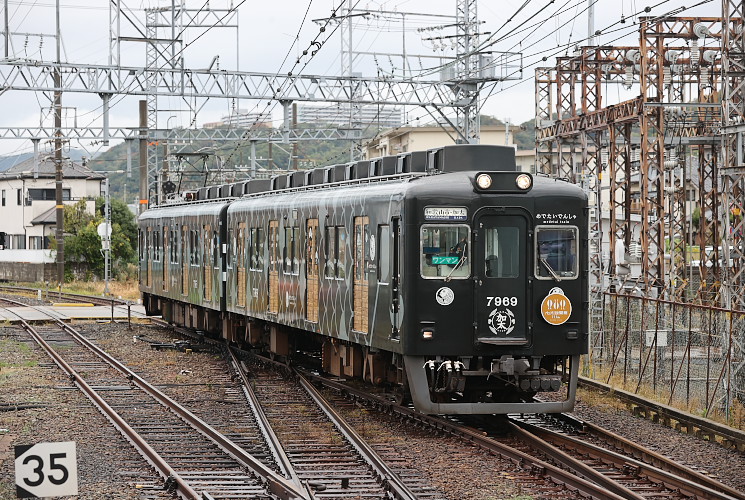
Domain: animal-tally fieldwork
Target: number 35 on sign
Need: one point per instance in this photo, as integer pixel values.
(46, 470)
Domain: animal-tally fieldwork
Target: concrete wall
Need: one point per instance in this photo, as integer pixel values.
(27, 272)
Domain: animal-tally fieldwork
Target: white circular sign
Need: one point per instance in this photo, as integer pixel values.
(445, 296)
(104, 230)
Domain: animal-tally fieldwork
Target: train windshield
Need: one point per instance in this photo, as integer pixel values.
(445, 251)
(556, 252)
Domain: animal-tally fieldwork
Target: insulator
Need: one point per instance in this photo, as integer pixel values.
(701, 30)
(704, 74)
(629, 77)
(694, 52)
(709, 56)
(667, 76)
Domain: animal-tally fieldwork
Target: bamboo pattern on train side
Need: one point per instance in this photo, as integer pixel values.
(274, 263)
(361, 249)
(312, 270)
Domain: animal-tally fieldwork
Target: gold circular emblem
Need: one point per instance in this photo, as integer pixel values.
(556, 308)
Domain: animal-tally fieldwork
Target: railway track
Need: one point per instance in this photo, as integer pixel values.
(323, 449)
(626, 471)
(641, 470)
(192, 458)
(548, 451)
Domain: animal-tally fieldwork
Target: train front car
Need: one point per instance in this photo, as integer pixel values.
(496, 289)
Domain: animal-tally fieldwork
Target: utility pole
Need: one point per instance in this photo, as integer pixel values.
(143, 157)
(60, 208)
(591, 22)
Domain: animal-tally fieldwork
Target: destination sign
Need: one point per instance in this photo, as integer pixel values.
(446, 213)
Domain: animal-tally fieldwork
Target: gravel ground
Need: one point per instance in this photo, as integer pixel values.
(110, 469)
(727, 466)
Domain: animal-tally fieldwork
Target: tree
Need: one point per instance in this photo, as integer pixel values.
(83, 244)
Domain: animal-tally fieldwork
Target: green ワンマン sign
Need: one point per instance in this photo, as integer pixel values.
(441, 259)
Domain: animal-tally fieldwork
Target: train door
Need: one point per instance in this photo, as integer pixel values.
(360, 277)
(164, 258)
(311, 270)
(207, 281)
(184, 260)
(149, 256)
(274, 264)
(240, 262)
(501, 266)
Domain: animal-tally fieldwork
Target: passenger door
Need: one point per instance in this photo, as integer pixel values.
(501, 267)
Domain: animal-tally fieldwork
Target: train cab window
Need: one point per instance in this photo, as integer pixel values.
(502, 252)
(556, 252)
(445, 251)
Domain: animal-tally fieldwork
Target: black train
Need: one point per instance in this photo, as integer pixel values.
(447, 273)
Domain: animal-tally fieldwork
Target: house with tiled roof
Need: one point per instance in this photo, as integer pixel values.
(28, 213)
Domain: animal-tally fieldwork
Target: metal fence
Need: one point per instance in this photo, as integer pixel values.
(685, 355)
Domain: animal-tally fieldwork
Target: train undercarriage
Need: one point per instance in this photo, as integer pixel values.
(459, 385)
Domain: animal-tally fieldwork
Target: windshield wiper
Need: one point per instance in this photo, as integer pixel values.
(550, 269)
(460, 263)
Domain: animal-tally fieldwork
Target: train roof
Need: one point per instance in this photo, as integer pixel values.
(454, 158)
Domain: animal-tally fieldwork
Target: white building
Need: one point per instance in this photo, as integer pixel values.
(339, 115)
(241, 119)
(28, 213)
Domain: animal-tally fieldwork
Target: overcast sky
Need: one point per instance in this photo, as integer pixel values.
(275, 31)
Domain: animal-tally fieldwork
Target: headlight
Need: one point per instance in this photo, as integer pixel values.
(523, 181)
(483, 181)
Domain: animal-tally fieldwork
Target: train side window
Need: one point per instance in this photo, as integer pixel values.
(231, 245)
(215, 249)
(240, 252)
(502, 252)
(311, 248)
(384, 254)
(292, 263)
(341, 260)
(154, 244)
(330, 247)
(173, 241)
(259, 248)
(274, 261)
(194, 247)
(142, 245)
(556, 252)
(445, 251)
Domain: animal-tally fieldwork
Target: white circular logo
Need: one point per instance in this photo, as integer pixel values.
(501, 321)
(445, 296)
